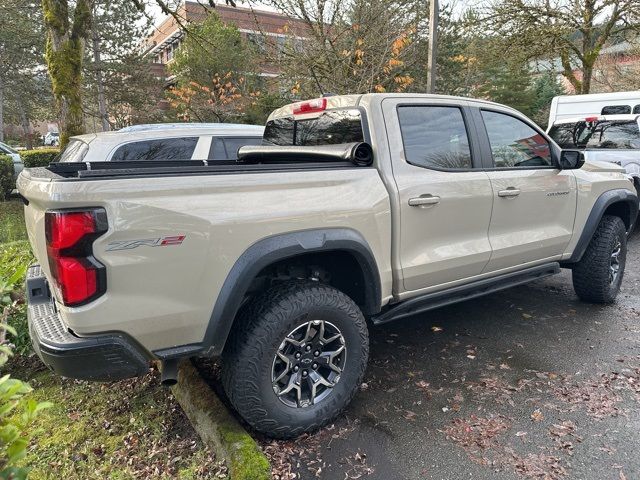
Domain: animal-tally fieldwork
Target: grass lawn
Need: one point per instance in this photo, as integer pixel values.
(133, 429)
(125, 430)
(12, 226)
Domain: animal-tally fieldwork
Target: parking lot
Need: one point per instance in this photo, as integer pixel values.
(525, 383)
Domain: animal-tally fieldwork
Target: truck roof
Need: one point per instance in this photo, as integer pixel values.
(346, 101)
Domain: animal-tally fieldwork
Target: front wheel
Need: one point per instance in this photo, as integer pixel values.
(598, 275)
(295, 358)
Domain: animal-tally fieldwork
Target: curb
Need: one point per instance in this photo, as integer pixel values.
(218, 428)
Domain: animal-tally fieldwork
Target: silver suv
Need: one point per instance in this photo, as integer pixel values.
(163, 143)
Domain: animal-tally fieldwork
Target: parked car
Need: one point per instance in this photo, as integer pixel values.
(15, 156)
(186, 143)
(570, 106)
(376, 206)
(51, 139)
(608, 138)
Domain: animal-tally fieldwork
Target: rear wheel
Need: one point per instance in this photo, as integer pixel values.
(598, 275)
(296, 358)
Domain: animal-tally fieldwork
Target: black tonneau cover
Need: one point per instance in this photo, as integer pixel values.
(256, 159)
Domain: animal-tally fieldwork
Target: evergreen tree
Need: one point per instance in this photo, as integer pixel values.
(120, 88)
(545, 87)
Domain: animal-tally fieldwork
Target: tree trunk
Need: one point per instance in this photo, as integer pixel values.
(26, 124)
(1, 110)
(587, 73)
(102, 103)
(64, 53)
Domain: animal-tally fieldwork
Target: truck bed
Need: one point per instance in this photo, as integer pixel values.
(153, 292)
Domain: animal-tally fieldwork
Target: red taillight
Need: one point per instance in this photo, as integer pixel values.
(312, 106)
(78, 277)
(591, 119)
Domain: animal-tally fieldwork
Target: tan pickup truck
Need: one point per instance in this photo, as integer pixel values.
(358, 208)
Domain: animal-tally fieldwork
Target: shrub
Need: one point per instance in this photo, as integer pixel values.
(15, 257)
(39, 158)
(16, 411)
(7, 182)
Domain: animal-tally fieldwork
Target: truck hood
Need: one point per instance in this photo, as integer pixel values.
(597, 166)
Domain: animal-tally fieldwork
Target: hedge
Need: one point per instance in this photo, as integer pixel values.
(7, 183)
(38, 158)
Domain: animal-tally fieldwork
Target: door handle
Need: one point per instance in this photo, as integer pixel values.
(509, 192)
(424, 200)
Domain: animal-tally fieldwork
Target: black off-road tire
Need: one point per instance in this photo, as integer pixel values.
(259, 333)
(592, 274)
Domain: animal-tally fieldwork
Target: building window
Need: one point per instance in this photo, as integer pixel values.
(257, 39)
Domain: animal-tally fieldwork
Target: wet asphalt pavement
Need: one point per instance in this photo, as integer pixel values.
(525, 383)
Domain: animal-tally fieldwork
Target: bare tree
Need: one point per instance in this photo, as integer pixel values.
(346, 46)
(571, 31)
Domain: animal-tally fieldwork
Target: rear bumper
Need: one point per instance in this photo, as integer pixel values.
(105, 357)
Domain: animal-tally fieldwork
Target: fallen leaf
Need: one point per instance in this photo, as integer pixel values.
(537, 415)
(436, 329)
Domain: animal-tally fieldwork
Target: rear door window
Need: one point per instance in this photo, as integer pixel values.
(636, 109)
(232, 144)
(331, 127)
(434, 137)
(162, 149)
(227, 148)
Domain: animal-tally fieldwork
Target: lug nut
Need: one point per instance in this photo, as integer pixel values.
(296, 368)
(316, 353)
(304, 373)
(298, 354)
(315, 366)
(308, 348)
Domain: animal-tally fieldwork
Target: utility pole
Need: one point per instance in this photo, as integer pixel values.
(433, 46)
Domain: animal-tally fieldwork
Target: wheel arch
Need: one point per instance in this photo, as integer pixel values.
(271, 250)
(620, 203)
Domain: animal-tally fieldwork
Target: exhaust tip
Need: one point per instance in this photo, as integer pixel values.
(169, 375)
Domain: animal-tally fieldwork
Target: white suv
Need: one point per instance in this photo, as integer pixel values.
(163, 142)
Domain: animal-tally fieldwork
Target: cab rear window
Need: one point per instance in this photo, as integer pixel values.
(331, 127)
(600, 135)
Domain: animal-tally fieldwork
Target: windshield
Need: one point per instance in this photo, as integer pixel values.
(74, 152)
(333, 126)
(7, 148)
(621, 134)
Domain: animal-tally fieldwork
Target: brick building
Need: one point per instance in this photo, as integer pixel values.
(267, 30)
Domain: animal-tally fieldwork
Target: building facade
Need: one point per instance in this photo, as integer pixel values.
(267, 30)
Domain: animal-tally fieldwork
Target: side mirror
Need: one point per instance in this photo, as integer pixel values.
(571, 159)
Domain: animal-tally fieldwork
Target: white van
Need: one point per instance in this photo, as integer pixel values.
(570, 106)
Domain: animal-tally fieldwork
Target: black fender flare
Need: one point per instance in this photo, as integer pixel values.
(603, 202)
(280, 247)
